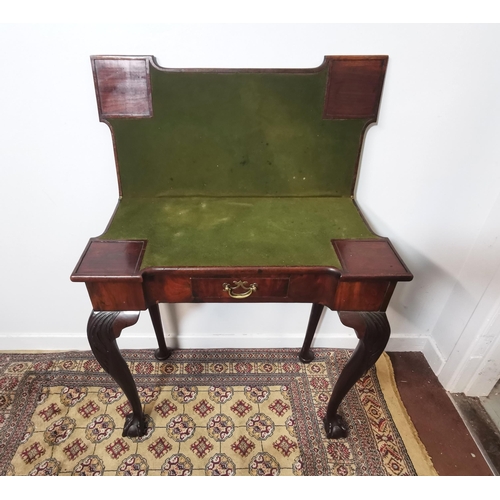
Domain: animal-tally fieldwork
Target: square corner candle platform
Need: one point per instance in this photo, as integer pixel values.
(237, 185)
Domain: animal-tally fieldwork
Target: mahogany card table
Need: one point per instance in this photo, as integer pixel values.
(238, 185)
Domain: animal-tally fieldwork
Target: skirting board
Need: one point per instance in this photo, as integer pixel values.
(59, 342)
(434, 357)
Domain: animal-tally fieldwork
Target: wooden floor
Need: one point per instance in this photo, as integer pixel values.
(442, 430)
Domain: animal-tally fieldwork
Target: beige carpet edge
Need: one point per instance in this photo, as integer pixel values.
(416, 449)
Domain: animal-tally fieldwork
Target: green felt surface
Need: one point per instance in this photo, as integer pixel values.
(231, 134)
(238, 231)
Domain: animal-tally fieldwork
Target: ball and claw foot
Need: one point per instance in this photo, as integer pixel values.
(306, 357)
(335, 428)
(162, 355)
(134, 426)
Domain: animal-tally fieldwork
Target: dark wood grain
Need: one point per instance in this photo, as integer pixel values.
(111, 271)
(276, 284)
(354, 87)
(123, 87)
(129, 289)
(162, 353)
(103, 259)
(362, 295)
(370, 259)
(373, 331)
(103, 329)
(306, 355)
(121, 295)
(213, 288)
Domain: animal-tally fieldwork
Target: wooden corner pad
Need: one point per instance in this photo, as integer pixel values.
(370, 258)
(354, 86)
(103, 259)
(123, 87)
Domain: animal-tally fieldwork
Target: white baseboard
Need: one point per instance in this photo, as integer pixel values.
(433, 356)
(58, 342)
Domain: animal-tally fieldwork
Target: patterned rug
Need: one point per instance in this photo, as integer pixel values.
(210, 412)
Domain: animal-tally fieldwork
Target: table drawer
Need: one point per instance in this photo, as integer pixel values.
(246, 288)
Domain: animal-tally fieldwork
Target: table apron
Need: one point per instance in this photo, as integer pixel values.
(310, 287)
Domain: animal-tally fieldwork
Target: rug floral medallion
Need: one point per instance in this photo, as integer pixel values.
(209, 412)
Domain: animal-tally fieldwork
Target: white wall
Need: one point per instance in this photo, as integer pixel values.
(429, 179)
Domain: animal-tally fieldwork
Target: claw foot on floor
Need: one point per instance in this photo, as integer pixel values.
(134, 426)
(335, 427)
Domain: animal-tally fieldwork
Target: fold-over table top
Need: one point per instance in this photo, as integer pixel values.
(224, 168)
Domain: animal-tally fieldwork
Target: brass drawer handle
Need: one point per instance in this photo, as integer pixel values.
(239, 284)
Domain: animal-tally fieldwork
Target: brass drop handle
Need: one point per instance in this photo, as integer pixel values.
(239, 284)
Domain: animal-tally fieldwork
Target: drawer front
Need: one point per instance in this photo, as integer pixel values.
(246, 288)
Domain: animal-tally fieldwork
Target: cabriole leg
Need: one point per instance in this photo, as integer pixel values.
(373, 331)
(306, 356)
(103, 328)
(162, 353)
